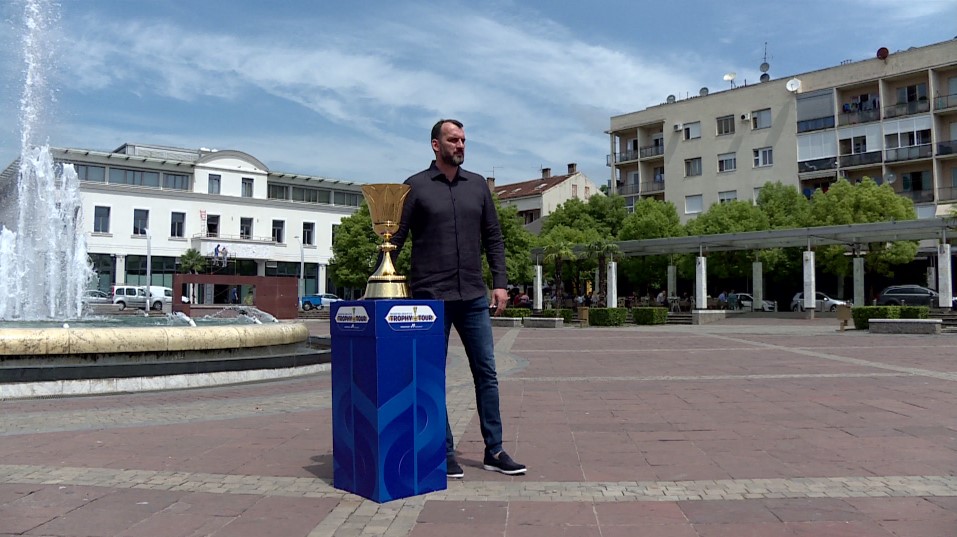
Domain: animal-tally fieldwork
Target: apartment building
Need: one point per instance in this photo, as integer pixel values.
(142, 201)
(537, 198)
(892, 118)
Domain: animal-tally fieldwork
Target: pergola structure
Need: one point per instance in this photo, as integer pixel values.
(853, 236)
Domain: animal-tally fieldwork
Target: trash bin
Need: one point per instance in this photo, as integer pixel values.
(583, 315)
(844, 315)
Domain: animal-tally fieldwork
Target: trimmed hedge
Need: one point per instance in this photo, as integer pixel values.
(607, 316)
(915, 312)
(565, 313)
(517, 312)
(650, 315)
(861, 314)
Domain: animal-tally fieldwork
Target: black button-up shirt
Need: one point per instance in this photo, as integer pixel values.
(450, 223)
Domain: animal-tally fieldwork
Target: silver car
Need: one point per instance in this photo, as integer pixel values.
(745, 300)
(822, 302)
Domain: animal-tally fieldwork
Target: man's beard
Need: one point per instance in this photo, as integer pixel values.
(451, 159)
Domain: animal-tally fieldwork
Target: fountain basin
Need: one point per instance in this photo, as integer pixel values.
(37, 362)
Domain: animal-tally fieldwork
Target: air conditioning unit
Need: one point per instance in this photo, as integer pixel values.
(745, 117)
(678, 127)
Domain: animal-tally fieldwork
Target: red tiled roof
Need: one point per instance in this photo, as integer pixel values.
(528, 188)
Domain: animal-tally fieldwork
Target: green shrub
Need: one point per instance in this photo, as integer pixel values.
(914, 312)
(607, 316)
(517, 312)
(565, 313)
(861, 314)
(650, 315)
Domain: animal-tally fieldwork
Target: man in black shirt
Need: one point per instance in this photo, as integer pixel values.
(451, 218)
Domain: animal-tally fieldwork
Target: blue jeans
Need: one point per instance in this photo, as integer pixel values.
(471, 321)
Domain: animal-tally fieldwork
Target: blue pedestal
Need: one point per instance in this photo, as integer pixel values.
(388, 397)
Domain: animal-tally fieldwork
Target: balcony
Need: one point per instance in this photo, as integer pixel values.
(907, 109)
(947, 193)
(652, 186)
(820, 164)
(624, 156)
(861, 159)
(908, 153)
(918, 196)
(652, 151)
(859, 116)
(945, 102)
(816, 124)
(947, 148)
(628, 190)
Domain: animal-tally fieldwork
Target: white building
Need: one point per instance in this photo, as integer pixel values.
(163, 201)
(892, 118)
(537, 198)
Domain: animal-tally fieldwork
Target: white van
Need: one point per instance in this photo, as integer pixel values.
(160, 297)
(130, 296)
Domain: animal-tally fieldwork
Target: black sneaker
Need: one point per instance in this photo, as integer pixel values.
(452, 468)
(503, 463)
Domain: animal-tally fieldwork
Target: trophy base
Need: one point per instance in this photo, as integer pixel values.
(386, 289)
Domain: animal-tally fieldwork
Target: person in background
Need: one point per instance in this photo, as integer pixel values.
(450, 217)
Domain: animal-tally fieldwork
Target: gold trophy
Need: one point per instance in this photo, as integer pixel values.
(385, 206)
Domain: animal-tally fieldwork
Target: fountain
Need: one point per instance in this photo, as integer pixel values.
(44, 270)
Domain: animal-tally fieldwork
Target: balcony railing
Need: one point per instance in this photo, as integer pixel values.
(860, 116)
(919, 196)
(947, 148)
(807, 166)
(623, 156)
(652, 151)
(908, 153)
(947, 193)
(816, 124)
(628, 190)
(907, 109)
(860, 159)
(946, 101)
(652, 186)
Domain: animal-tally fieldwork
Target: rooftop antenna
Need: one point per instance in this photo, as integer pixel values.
(765, 65)
(730, 78)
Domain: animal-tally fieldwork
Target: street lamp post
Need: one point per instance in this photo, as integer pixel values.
(302, 272)
(149, 267)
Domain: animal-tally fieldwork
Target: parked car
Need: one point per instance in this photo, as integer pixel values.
(745, 300)
(909, 295)
(822, 302)
(318, 301)
(129, 296)
(95, 296)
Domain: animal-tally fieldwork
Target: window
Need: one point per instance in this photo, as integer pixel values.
(214, 183)
(309, 195)
(101, 220)
(727, 195)
(587, 191)
(278, 230)
(141, 221)
(907, 139)
(347, 198)
(694, 204)
(953, 177)
(212, 225)
(119, 176)
(692, 130)
(761, 119)
(854, 145)
(247, 187)
(757, 193)
(246, 228)
(177, 225)
(277, 192)
(763, 157)
(90, 173)
(727, 162)
(574, 191)
(659, 174)
(914, 181)
(692, 167)
(910, 94)
(175, 181)
(725, 125)
(309, 233)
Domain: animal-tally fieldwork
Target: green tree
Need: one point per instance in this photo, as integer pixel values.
(651, 219)
(609, 213)
(192, 262)
(559, 245)
(355, 251)
(602, 249)
(731, 217)
(862, 203)
(571, 214)
(518, 244)
(784, 206)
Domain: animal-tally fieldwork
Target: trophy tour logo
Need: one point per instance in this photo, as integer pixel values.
(352, 318)
(406, 317)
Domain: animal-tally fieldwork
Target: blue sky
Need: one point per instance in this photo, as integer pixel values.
(349, 90)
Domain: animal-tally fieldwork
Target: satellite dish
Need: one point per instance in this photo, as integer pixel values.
(882, 53)
(671, 99)
(890, 178)
(703, 92)
(765, 77)
(764, 67)
(729, 77)
(793, 85)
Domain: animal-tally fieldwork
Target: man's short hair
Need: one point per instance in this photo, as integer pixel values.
(437, 128)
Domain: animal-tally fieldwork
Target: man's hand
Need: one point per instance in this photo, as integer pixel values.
(499, 300)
